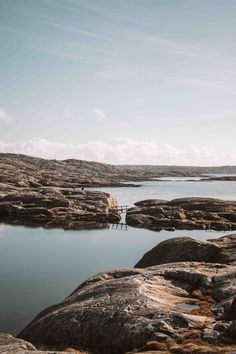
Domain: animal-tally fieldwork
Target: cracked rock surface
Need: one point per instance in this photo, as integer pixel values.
(70, 173)
(183, 214)
(175, 307)
(38, 192)
(57, 207)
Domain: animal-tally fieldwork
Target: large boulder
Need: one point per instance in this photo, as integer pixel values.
(183, 249)
(125, 310)
(179, 249)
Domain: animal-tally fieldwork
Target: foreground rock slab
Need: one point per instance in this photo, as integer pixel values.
(69, 208)
(183, 213)
(182, 307)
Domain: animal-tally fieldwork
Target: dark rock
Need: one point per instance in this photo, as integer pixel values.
(57, 207)
(179, 249)
(150, 202)
(184, 249)
(227, 245)
(221, 178)
(232, 329)
(183, 213)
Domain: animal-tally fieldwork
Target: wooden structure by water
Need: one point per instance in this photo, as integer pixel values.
(123, 208)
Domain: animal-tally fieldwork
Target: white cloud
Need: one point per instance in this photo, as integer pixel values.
(4, 116)
(99, 114)
(122, 151)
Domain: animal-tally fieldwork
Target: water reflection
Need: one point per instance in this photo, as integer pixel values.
(120, 226)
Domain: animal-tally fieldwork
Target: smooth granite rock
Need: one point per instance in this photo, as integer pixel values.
(183, 213)
(183, 249)
(183, 307)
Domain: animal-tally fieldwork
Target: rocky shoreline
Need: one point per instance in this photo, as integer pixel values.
(51, 193)
(33, 172)
(191, 213)
(179, 298)
(52, 207)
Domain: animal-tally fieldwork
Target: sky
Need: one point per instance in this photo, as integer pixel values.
(119, 81)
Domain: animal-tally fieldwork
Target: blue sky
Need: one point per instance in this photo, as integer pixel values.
(127, 81)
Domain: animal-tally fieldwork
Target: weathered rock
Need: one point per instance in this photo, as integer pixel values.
(123, 310)
(183, 213)
(36, 172)
(10, 344)
(179, 249)
(57, 207)
(183, 249)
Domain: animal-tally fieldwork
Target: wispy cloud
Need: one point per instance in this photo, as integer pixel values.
(4, 116)
(122, 151)
(79, 31)
(99, 114)
(164, 42)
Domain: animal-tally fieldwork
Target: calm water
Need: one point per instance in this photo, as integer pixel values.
(40, 267)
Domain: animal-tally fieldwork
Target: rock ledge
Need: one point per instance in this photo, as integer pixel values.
(183, 213)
